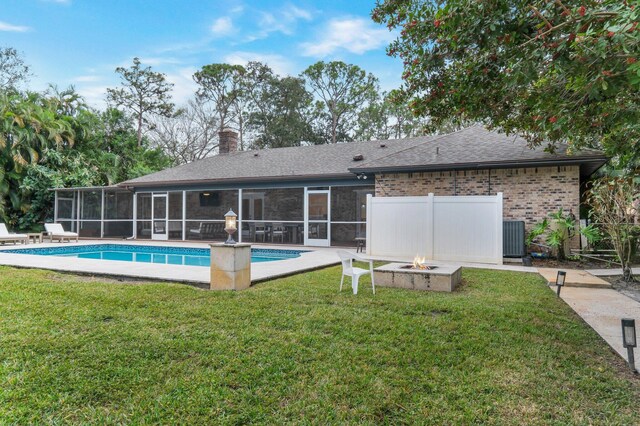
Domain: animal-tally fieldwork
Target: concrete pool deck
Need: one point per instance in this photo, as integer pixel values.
(313, 258)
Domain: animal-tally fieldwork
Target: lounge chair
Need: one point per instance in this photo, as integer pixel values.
(8, 237)
(57, 232)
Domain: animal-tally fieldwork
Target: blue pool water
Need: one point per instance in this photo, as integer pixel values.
(151, 254)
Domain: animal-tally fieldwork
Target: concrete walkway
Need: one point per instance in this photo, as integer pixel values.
(574, 278)
(597, 303)
(602, 309)
(611, 272)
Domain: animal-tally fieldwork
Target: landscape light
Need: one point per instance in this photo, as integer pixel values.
(629, 339)
(230, 225)
(560, 280)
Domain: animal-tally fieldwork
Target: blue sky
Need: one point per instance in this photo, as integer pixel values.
(81, 42)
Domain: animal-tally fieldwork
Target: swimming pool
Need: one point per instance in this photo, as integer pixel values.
(151, 254)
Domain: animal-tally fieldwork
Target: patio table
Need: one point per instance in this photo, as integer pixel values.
(37, 237)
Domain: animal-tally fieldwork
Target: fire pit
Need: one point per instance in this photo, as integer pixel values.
(418, 276)
(419, 264)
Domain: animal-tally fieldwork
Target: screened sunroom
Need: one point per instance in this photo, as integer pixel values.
(304, 195)
(293, 214)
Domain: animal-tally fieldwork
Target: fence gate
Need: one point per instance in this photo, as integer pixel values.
(450, 228)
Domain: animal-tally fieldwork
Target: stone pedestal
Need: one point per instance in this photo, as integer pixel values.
(230, 266)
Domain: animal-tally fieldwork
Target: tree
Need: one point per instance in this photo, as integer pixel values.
(254, 100)
(29, 126)
(221, 86)
(13, 70)
(144, 92)
(385, 119)
(343, 91)
(288, 122)
(278, 109)
(615, 203)
(57, 169)
(556, 71)
(114, 148)
(190, 134)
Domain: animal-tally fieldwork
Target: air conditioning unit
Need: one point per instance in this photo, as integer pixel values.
(513, 238)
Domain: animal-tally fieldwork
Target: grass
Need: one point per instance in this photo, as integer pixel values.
(502, 350)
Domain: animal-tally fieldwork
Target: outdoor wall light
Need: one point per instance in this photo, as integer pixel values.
(230, 225)
(629, 339)
(560, 280)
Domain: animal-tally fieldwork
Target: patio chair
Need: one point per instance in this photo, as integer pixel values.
(159, 228)
(8, 237)
(278, 231)
(57, 232)
(260, 231)
(247, 232)
(348, 269)
(314, 230)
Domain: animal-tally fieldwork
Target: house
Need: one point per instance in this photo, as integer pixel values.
(316, 195)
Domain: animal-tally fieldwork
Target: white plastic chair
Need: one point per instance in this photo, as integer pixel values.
(349, 270)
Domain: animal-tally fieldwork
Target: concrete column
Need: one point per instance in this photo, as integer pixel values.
(230, 266)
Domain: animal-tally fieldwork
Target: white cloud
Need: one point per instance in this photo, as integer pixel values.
(5, 26)
(155, 61)
(292, 12)
(284, 21)
(184, 88)
(354, 35)
(94, 95)
(87, 78)
(279, 64)
(222, 27)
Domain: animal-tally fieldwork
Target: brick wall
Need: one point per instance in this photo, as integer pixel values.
(529, 194)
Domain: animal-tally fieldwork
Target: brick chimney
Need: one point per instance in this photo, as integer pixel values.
(228, 141)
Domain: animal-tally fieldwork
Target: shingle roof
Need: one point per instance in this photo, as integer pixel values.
(473, 147)
(476, 147)
(304, 162)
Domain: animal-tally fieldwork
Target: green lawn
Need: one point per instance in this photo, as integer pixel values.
(501, 350)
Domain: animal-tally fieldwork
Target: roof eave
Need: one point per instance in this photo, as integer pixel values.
(228, 181)
(485, 165)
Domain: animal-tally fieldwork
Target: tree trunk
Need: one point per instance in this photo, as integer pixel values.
(241, 131)
(139, 130)
(334, 124)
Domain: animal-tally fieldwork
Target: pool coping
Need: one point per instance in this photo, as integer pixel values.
(310, 259)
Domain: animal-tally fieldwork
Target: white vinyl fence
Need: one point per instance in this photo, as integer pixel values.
(460, 228)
